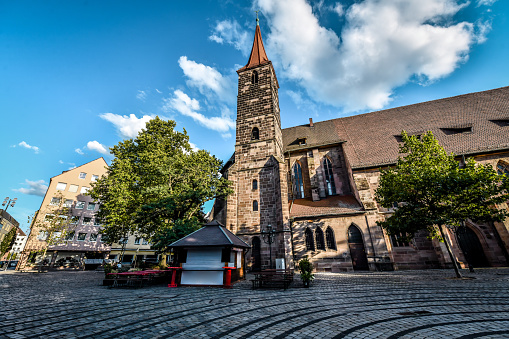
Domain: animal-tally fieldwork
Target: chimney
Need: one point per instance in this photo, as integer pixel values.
(310, 122)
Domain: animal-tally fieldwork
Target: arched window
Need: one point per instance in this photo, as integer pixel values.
(329, 178)
(254, 77)
(255, 184)
(502, 168)
(329, 237)
(255, 205)
(310, 242)
(298, 184)
(320, 243)
(255, 134)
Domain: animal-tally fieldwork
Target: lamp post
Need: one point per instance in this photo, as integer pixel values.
(268, 237)
(11, 203)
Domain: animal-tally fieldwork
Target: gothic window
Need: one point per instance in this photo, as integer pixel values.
(297, 181)
(255, 134)
(320, 243)
(502, 168)
(255, 205)
(254, 77)
(329, 237)
(329, 178)
(399, 240)
(310, 243)
(255, 184)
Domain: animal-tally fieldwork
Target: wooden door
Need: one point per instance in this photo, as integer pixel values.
(357, 251)
(471, 247)
(257, 257)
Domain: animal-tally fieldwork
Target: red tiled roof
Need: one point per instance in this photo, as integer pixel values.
(333, 205)
(371, 138)
(258, 56)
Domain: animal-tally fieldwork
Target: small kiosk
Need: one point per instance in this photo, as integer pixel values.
(210, 256)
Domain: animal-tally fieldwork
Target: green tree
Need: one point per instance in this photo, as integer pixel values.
(156, 185)
(8, 241)
(431, 190)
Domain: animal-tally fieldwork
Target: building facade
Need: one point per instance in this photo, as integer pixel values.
(315, 183)
(80, 241)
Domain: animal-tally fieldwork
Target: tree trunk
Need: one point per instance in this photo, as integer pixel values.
(455, 265)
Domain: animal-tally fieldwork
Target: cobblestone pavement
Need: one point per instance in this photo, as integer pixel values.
(405, 304)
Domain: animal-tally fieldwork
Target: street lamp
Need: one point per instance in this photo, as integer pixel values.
(268, 237)
(11, 203)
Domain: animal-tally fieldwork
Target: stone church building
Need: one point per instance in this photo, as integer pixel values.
(314, 184)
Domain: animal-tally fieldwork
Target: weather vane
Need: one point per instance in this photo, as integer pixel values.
(257, 20)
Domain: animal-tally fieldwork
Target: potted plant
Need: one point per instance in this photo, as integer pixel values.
(306, 271)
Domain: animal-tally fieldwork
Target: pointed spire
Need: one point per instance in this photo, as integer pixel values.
(258, 56)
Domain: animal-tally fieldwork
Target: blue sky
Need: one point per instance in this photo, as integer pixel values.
(76, 77)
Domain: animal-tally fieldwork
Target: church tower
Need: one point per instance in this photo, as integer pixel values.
(259, 175)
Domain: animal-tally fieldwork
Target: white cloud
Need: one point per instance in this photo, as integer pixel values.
(127, 126)
(338, 8)
(141, 95)
(383, 45)
(194, 147)
(187, 106)
(231, 33)
(38, 188)
(485, 2)
(25, 145)
(158, 91)
(79, 151)
(97, 146)
(60, 162)
(208, 80)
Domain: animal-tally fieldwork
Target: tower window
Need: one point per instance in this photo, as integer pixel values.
(255, 134)
(254, 77)
(297, 181)
(329, 178)
(255, 205)
(255, 184)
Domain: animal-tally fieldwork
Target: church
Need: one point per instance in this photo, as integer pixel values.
(308, 190)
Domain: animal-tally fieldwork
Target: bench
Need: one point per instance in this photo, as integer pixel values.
(273, 279)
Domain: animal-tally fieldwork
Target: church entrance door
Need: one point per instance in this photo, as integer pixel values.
(257, 256)
(471, 247)
(357, 251)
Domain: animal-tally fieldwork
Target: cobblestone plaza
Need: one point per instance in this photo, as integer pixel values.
(404, 304)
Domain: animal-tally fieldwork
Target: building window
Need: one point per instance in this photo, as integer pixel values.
(255, 205)
(255, 184)
(97, 221)
(310, 242)
(122, 241)
(104, 238)
(94, 177)
(82, 236)
(298, 184)
(75, 219)
(399, 240)
(84, 190)
(61, 186)
(137, 241)
(42, 235)
(73, 188)
(69, 236)
(329, 178)
(329, 237)
(91, 206)
(80, 205)
(55, 201)
(93, 237)
(502, 169)
(83, 175)
(49, 217)
(87, 221)
(68, 203)
(255, 134)
(254, 77)
(320, 243)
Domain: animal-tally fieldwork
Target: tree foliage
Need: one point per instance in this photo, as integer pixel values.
(431, 188)
(156, 185)
(8, 241)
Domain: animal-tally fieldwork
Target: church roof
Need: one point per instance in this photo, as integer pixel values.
(258, 56)
(333, 205)
(466, 124)
(213, 234)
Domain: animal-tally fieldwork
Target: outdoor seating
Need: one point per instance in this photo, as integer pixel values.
(135, 279)
(272, 278)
